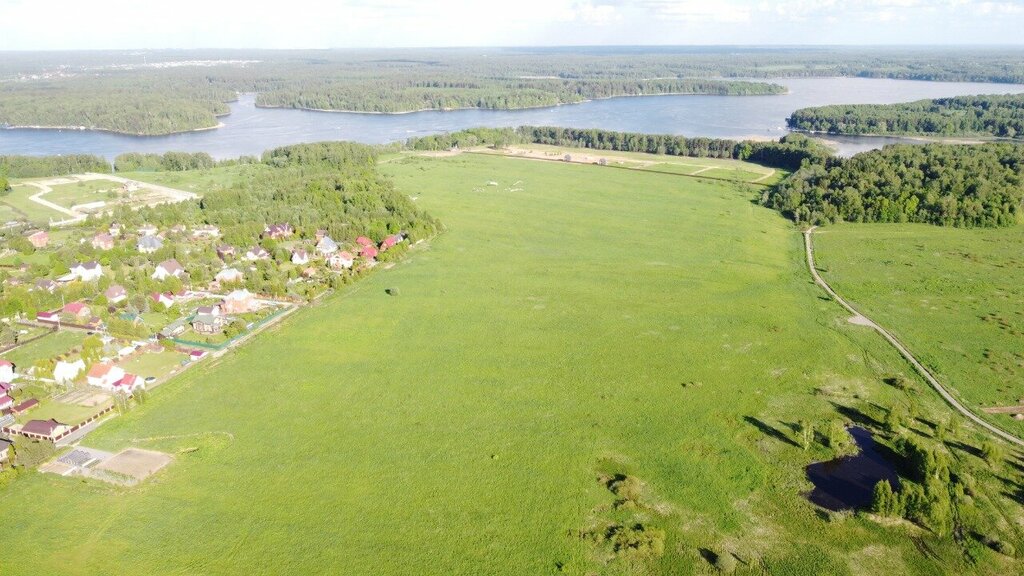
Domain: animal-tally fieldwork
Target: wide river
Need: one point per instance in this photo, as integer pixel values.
(251, 130)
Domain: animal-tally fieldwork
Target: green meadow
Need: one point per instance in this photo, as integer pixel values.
(952, 295)
(591, 372)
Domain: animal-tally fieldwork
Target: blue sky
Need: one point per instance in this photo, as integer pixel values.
(88, 24)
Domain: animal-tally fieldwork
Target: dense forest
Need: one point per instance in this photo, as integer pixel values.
(788, 153)
(995, 115)
(160, 92)
(166, 162)
(40, 166)
(950, 185)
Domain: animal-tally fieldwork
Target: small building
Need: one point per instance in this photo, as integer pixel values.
(65, 372)
(103, 241)
(300, 257)
(326, 246)
(206, 231)
(226, 251)
(48, 317)
(39, 238)
(390, 241)
(239, 302)
(340, 260)
(24, 406)
(104, 375)
(115, 229)
(43, 429)
(256, 253)
(115, 294)
(163, 298)
(149, 244)
(278, 231)
(6, 402)
(196, 355)
(128, 384)
(368, 252)
(7, 374)
(174, 329)
(364, 241)
(46, 285)
(87, 271)
(79, 311)
(148, 230)
(168, 268)
(214, 310)
(229, 275)
(208, 323)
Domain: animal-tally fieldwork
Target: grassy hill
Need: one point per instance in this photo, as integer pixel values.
(590, 371)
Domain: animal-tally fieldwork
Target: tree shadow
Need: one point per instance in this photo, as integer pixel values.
(965, 448)
(856, 416)
(768, 430)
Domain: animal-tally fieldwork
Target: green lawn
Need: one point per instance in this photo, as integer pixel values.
(83, 192)
(592, 322)
(953, 296)
(69, 414)
(153, 364)
(18, 200)
(198, 181)
(48, 347)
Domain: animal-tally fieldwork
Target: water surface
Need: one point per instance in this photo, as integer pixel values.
(251, 130)
(848, 483)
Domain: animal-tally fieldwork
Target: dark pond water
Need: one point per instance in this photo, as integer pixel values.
(251, 130)
(847, 483)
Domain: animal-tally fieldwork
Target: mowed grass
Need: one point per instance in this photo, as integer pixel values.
(594, 321)
(198, 181)
(953, 296)
(18, 201)
(50, 346)
(83, 192)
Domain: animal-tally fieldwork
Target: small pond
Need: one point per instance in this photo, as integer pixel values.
(847, 483)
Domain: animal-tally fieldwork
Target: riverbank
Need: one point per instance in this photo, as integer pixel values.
(119, 132)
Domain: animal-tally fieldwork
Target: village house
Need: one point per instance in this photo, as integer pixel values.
(163, 298)
(168, 268)
(48, 317)
(176, 328)
(239, 302)
(6, 371)
(368, 252)
(43, 429)
(229, 275)
(256, 253)
(39, 239)
(115, 294)
(79, 311)
(88, 271)
(5, 451)
(103, 241)
(127, 384)
(278, 231)
(226, 251)
(391, 241)
(46, 285)
(24, 406)
(309, 272)
(65, 372)
(206, 231)
(208, 323)
(6, 401)
(213, 310)
(104, 375)
(149, 244)
(326, 246)
(115, 229)
(340, 260)
(300, 257)
(148, 230)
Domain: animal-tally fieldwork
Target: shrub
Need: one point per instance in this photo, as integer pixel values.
(725, 562)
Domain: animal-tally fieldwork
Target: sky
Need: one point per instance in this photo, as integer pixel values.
(119, 24)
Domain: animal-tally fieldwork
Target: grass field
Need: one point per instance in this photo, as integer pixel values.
(952, 295)
(47, 347)
(18, 201)
(86, 191)
(593, 322)
(198, 181)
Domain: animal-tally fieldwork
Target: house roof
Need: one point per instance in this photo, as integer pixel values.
(229, 273)
(364, 241)
(91, 265)
(31, 402)
(41, 427)
(115, 291)
(151, 242)
(45, 284)
(128, 380)
(160, 296)
(368, 252)
(171, 266)
(75, 307)
(326, 244)
(103, 238)
(208, 319)
(5, 400)
(6, 362)
(100, 369)
(39, 234)
(239, 295)
(45, 314)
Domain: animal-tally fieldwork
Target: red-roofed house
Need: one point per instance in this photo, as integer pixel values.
(278, 231)
(78, 310)
(103, 241)
(165, 298)
(128, 384)
(25, 406)
(43, 429)
(6, 402)
(368, 252)
(39, 238)
(49, 317)
(340, 260)
(104, 375)
(390, 241)
(364, 241)
(115, 294)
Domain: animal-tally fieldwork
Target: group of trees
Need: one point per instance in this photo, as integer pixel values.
(404, 95)
(950, 185)
(788, 153)
(42, 166)
(1001, 116)
(169, 161)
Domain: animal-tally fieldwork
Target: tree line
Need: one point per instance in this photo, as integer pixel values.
(42, 166)
(995, 115)
(788, 153)
(949, 185)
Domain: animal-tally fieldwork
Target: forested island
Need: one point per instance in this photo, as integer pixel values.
(993, 115)
(163, 92)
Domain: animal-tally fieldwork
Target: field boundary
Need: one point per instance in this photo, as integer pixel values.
(865, 321)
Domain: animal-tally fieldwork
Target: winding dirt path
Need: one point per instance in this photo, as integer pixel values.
(865, 321)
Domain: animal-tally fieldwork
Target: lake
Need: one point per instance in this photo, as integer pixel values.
(848, 482)
(251, 130)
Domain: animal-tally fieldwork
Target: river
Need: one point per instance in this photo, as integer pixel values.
(251, 130)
